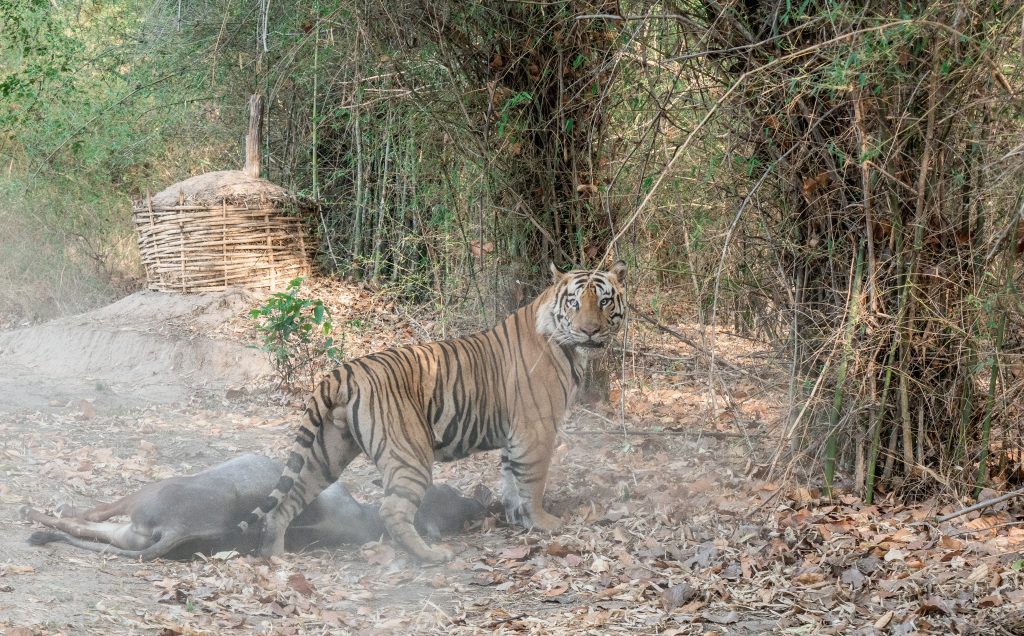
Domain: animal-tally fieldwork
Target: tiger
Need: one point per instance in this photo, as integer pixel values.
(405, 407)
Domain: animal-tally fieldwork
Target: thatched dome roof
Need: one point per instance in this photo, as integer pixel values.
(222, 229)
(226, 186)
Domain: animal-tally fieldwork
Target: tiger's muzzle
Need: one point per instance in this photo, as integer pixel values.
(593, 341)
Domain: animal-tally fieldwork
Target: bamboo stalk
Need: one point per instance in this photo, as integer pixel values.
(920, 437)
(859, 461)
(908, 433)
(903, 322)
(869, 225)
(376, 254)
(980, 505)
(890, 453)
(986, 424)
(876, 433)
(966, 408)
(357, 229)
(837, 400)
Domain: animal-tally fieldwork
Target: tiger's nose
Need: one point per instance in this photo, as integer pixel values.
(590, 330)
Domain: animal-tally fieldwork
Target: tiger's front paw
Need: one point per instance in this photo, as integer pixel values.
(542, 520)
(437, 554)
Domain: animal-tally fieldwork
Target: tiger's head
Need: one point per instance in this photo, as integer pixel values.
(583, 308)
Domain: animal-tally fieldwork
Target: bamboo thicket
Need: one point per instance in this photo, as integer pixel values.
(883, 141)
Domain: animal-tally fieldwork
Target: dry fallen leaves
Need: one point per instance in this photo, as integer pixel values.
(676, 596)
(656, 536)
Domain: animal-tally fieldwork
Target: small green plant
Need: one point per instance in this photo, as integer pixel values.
(298, 334)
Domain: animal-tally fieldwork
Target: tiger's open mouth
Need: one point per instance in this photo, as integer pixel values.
(592, 344)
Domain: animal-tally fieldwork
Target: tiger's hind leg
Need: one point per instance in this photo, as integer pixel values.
(406, 471)
(312, 466)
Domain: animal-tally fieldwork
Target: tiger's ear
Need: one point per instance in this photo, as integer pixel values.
(618, 270)
(556, 274)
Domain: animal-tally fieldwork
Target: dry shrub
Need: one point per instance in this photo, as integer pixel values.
(878, 137)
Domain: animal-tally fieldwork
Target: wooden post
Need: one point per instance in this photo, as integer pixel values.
(224, 239)
(253, 137)
(270, 254)
(181, 249)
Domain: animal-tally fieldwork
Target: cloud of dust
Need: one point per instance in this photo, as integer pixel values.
(47, 267)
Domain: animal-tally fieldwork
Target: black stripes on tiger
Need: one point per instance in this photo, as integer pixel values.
(284, 484)
(305, 438)
(295, 462)
(250, 522)
(269, 504)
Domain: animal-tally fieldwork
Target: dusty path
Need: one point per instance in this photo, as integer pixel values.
(96, 405)
(147, 348)
(667, 530)
(501, 574)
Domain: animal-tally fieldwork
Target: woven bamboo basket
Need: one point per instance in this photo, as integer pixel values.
(222, 229)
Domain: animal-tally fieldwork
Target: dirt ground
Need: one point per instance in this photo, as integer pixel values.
(670, 525)
(147, 348)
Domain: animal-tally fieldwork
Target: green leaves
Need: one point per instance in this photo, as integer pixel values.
(34, 52)
(296, 332)
(518, 99)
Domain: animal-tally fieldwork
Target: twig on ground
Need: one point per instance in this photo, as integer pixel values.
(502, 621)
(688, 431)
(1008, 524)
(770, 498)
(981, 504)
(689, 342)
(692, 433)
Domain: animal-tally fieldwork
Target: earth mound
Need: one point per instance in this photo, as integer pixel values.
(149, 347)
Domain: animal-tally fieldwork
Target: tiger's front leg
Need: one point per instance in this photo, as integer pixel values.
(524, 469)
